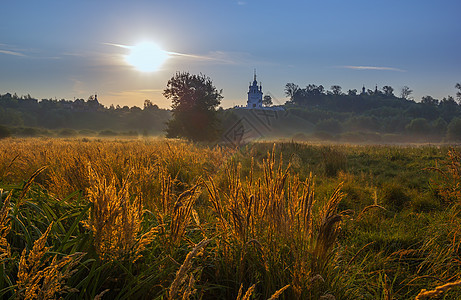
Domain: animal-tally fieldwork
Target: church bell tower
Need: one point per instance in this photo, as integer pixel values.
(255, 94)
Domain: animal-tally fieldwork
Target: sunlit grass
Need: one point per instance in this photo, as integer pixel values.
(165, 218)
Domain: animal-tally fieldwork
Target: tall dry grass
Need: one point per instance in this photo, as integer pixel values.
(38, 278)
(176, 220)
(115, 218)
(68, 162)
(268, 223)
(5, 249)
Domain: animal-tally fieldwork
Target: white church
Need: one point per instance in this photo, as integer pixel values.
(255, 96)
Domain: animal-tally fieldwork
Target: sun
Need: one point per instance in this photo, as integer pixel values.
(146, 57)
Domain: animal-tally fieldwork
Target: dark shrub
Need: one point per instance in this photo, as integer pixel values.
(324, 136)
(394, 197)
(107, 133)
(425, 204)
(352, 137)
(29, 132)
(66, 132)
(4, 132)
(333, 161)
(87, 132)
(299, 137)
(454, 130)
(331, 126)
(418, 127)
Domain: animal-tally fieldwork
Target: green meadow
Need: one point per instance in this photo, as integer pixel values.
(169, 219)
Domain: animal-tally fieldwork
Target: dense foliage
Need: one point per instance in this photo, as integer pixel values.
(349, 116)
(194, 101)
(26, 116)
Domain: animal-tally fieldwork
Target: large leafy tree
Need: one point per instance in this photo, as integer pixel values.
(194, 102)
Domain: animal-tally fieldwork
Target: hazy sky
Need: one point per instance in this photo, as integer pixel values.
(68, 49)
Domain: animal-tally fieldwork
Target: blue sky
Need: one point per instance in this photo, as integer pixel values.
(64, 49)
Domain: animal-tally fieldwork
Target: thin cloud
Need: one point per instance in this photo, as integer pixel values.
(117, 45)
(31, 53)
(372, 68)
(216, 56)
(241, 3)
(8, 52)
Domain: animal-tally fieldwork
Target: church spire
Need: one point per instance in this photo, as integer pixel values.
(255, 75)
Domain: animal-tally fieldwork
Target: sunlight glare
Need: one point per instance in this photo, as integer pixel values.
(146, 57)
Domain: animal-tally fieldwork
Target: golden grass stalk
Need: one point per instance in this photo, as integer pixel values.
(33, 261)
(28, 184)
(181, 213)
(115, 219)
(37, 279)
(437, 291)
(5, 250)
(327, 297)
(450, 170)
(190, 289)
(329, 227)
(279, 292)
(182, 274)
(99, 296)
(368, 208)
(304, 208)
(248, 293)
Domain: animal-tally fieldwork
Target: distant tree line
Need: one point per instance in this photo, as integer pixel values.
(26, 114)
(365, 115)
(335, 112)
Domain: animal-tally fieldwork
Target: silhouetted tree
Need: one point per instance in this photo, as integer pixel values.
(314, 90)
(406, 92)
(448, 101)
(429, 100)
(388, 91)
(148, 105)
(352, 92)
(194, 102)
(267, 100)
(336, 89)
(290, 90)
(458, 93)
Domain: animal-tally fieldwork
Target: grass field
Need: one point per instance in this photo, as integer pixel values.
(167, 219)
